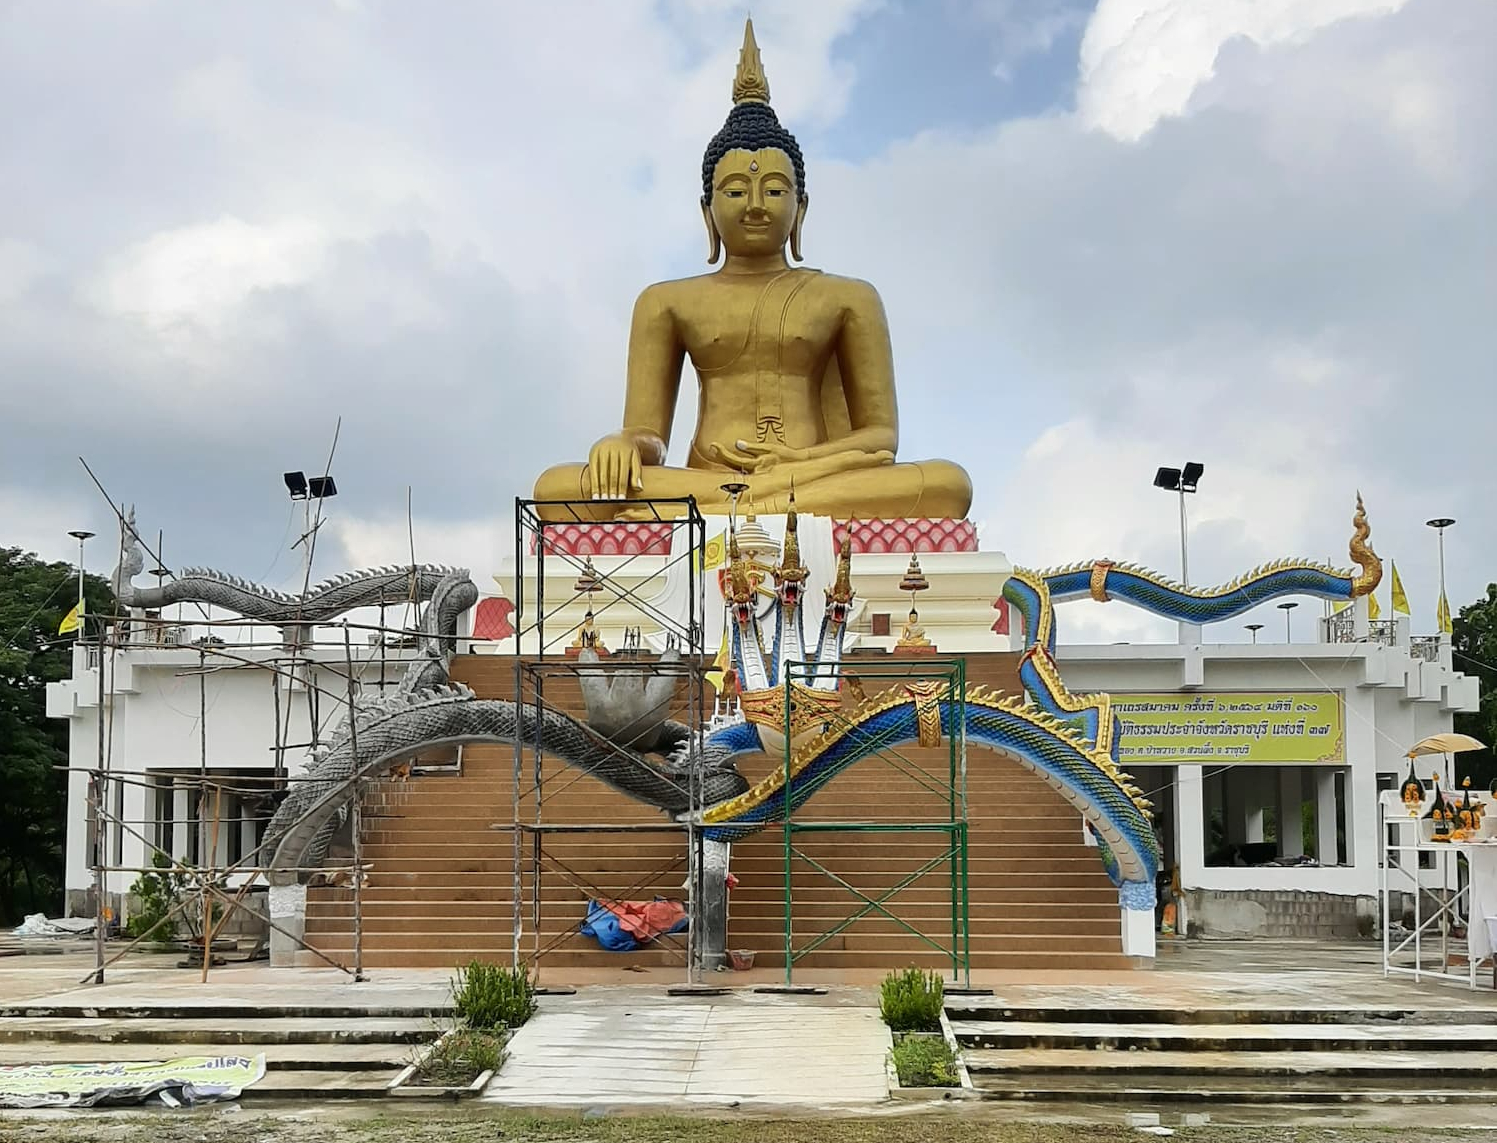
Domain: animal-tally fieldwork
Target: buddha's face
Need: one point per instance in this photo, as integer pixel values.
(754, 201)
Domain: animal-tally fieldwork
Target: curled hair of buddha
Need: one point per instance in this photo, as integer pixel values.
(752, 126)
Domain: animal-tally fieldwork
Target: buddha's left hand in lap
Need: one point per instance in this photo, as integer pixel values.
(763, 458)
(801, 474)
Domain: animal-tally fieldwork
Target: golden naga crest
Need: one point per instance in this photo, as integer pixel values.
(1362, 554)
(928, 696)
(810, 711)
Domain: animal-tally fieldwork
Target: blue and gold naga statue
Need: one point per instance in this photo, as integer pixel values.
(1069, 740)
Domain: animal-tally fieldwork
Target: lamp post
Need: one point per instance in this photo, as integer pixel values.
(80, 536)
(306, 488)
(1439, 524)
(1255, 628)
(1181, 481)
(1287, 607)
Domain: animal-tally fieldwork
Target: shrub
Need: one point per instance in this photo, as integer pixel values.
(157, 894)
(925, 1061)
(461, 1056)
(911, 1001)
(486, 996)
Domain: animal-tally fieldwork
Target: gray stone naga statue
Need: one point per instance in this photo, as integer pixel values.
(627, 742)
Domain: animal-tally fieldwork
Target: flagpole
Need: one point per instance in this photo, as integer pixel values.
(80, 536)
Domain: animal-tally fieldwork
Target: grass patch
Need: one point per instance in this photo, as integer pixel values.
(911, 1001)
(427, 1124)
(925, 1061)
(461, 1057)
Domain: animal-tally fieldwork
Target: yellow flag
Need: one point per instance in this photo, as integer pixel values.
(1340, 607)
(1443, 615)
(716, 552)
(71, 621)
(1400, 597)
(1374, 609)
(720, 665)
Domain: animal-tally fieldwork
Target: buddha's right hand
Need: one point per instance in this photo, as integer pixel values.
(613, 468)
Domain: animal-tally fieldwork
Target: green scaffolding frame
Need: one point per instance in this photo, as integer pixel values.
(895, 672)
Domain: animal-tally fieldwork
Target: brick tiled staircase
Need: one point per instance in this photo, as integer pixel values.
(442, 884)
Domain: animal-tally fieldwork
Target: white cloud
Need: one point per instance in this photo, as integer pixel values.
(1263, 241)
(197, 276)
(1276, 285)
(477, 545)
(21, 264)
(1028, 27)
(1142, 60)
(37, 520)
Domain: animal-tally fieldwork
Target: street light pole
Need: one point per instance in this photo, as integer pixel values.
(1439, 524)
(1287, 608)
(1181, 481)
(1184, 558)
(80, 536)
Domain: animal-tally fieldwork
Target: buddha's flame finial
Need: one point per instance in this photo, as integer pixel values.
(1362, 554)
(750, 84)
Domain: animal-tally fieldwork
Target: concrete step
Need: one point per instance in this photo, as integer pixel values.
(1050, 958)
(994, 932)
(1144, 1037)
(309, 1084)
(874, 870)
(453, 957)
(296, 1030)
(225, 1011)
(962, 1010)
(990, 920)
(1137, 1067)
(1224, 1090)
(375, 1057)
(492, 910)
(451, 841)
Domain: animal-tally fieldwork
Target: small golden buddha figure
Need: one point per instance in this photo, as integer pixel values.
(794, 368)
(912, 635)
(588, 636)
(912, 638)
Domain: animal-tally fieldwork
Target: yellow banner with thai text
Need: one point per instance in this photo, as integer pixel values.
(1232, 727)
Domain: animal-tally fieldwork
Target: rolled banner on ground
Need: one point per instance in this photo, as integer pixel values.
(192, 1079)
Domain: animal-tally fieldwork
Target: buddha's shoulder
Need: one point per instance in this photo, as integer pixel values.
(833, 288)
(853, 292)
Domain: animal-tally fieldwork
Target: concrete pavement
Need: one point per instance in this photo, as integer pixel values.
(608, 1047)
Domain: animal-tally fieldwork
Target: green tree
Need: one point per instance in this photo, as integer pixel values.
(35, 596)
(1474, 643)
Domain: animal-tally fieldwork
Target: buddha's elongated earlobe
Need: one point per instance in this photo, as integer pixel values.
(800, 219)
(714, 240)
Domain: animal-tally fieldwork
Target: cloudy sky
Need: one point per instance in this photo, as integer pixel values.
(1110, 236)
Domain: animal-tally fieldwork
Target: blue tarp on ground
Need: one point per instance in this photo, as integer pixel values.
(606, 922)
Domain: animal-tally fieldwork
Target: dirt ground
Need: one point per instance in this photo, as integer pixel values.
(431, 1124)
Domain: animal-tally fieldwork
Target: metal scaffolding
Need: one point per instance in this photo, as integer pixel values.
(547, 648)
(207, 888)
(945, 691)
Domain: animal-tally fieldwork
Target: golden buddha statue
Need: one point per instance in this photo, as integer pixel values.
(912, 635)
(794, 368)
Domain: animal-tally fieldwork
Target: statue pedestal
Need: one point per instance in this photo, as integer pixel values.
(962, 611)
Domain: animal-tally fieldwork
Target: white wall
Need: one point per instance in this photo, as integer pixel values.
(1391, 701)
(152, 725)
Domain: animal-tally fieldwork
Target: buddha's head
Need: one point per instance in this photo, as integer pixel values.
(753, 178)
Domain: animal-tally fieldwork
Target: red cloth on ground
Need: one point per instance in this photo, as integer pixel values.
(646, 920)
